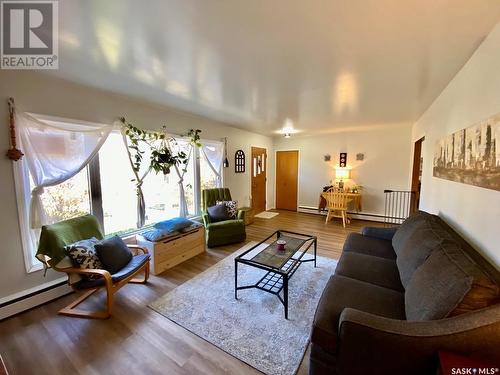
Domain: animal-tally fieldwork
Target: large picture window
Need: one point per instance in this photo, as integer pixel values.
(106, 188)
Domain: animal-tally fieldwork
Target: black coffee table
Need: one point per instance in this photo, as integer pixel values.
(279, 264)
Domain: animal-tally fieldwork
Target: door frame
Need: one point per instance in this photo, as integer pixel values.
(249, 159)
(415, 172)
(298, 173)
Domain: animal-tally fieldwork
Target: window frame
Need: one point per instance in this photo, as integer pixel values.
(29, 236)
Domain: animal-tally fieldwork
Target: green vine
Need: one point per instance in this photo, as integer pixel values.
(162, 157)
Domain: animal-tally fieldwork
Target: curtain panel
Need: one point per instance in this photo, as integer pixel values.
(54, 152)
(213, 152)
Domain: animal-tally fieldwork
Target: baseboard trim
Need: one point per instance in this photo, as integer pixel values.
(355, 215)
(30, 298)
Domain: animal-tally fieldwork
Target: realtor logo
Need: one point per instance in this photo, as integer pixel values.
(29, 35)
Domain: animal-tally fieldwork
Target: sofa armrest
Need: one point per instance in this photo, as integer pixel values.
(381, 233)
(241, 215)
(136, 248)
(368, 341)
(205, 218)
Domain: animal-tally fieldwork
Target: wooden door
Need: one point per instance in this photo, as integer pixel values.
(259, 171)
(287, 169)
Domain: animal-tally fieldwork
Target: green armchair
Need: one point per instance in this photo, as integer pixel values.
(222, 232)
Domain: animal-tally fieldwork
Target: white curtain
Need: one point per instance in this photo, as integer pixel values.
(213, 152)
(139, 176)
(182, 145)
(54, 152)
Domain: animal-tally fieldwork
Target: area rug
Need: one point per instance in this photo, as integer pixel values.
(266, 215)
(252, 328)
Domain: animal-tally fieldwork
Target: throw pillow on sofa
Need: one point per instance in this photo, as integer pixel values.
(406, 229)
(218, 213)
(448, 283)
(427, 236)
(113, 253)
(231, 207)
(83, 255)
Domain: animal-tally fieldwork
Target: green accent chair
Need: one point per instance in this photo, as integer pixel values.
(222, 232)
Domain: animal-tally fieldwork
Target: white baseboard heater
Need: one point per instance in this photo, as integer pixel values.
(355, 215)
(30, 298)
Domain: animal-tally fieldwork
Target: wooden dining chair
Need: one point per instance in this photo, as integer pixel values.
(336, 205)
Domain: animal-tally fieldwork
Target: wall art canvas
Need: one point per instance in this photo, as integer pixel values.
(471, 156)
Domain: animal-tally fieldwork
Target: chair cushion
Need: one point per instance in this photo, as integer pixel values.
(173, 225)
(448, 283)
(341, 292)
(374, 270)
(227, 226)
(358, 243)
(113, 253)
(218, 213)
(231, 208)
(135, 263)
(424, 239)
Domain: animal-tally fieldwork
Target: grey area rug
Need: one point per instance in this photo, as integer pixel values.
(252, 328)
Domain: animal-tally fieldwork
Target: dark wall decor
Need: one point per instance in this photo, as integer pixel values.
(225, 164)
(360, 156)
(471, 156)
(13, 153)
(239, 162)
(327, 157)
(343, 160)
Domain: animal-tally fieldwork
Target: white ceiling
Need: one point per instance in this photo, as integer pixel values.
(324, 64)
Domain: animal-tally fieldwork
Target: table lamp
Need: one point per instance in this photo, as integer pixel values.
(342, 174)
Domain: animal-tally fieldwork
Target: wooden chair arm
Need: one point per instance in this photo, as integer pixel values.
(88, 271)
(137, 247)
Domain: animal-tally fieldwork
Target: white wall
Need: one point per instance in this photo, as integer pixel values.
(473, 95)
(40, 93)
(386, 163)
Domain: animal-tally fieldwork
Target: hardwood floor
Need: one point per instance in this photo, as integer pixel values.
(136, 339)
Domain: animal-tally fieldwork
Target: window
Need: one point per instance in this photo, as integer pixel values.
(118, 193)
(208, 178)
(106, 188)
(67, 200)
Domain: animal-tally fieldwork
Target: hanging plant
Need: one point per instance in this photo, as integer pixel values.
(162, 157)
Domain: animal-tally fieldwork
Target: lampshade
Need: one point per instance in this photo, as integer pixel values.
(342, 173)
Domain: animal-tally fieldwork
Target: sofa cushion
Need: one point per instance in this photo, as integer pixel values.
(374, 270)
(426, 237)
(448, 283)
(358, 243)
(226, 226)
(407, 228)
(341, 292)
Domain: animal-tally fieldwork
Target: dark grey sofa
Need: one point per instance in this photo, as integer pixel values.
(400, 295)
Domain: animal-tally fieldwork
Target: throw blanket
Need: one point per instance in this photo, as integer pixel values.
(55, 237)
